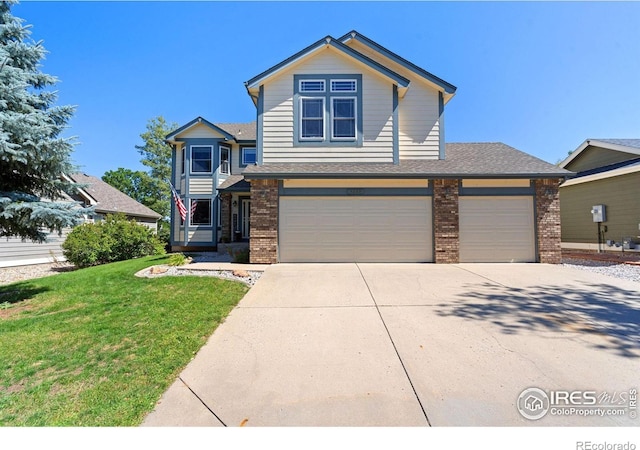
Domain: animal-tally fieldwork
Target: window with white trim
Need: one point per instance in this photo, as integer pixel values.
(312, 118)
(248, 156)
(201, 158)
(328, 110)
(224, 160)
(343, 118)
(200, 212)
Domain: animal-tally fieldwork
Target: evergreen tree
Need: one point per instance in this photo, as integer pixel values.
(156, 153)
(33, 156)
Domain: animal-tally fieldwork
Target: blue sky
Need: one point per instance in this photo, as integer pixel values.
(539, 76)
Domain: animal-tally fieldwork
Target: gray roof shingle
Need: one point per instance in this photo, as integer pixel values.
(461, 160)
(110, 199)
(241, 131)
(235, 183)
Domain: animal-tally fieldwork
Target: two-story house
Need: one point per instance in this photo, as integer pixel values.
(347, 162)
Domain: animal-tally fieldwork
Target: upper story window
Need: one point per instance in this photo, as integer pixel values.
(201, 158)
(248, 156)
(224, 160)
(183, 152)
(328, 110)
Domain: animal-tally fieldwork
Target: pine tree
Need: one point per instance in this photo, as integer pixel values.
(33, 156)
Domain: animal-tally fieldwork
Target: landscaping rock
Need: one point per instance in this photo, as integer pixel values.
(155, 270)
(241, 273)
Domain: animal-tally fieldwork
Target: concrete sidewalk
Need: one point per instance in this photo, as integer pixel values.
(409, 345)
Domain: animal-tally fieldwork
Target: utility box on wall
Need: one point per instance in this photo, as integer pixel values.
(599, 213)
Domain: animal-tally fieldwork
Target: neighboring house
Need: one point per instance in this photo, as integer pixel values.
(608, 173)
(103, 197)
(347, 162)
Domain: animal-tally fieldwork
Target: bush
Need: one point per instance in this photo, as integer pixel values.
(114, 239)
(240, 255)
(178, 259)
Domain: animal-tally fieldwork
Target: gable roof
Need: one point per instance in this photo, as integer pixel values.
(231, 131)
(464, 160)
(631, 146)
(108, 199)
(448, 88)
(325, 42)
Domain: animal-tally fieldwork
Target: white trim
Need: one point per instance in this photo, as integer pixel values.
(319, 80)
(355, 85)
(228, 149)
(595, 143)
(300, 117)
(92, 201)
(191, 172)
(603, 175)
(355, 119)
(242, 151)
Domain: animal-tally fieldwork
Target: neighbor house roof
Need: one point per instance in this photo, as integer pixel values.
(107, 199)
(621, 145)
(231, 131)
(464, 160)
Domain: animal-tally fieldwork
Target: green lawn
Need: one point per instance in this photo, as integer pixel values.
(98, 346)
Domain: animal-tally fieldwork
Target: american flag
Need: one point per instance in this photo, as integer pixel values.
(181, 208)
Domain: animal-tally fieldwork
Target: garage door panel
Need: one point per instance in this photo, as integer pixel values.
(371, 229)
(497, 229)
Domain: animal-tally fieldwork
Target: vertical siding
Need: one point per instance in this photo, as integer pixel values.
(619, 194)
(376, 121)
(419, 127)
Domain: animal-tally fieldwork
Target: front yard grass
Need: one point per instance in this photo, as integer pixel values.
(98, 346)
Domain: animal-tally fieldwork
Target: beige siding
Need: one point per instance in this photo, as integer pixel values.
(201, 185)
(354, 183)
(594, 157)
(199, 131)
(377, 120)
(619, 194)
(14, 252)
(495, 183)
(178, 174)
(418, 111)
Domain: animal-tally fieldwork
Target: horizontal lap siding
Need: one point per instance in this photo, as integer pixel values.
(418, 111)
(377, 119)
(13, 251)
(201, 185)
(598, 157)
(619, 194)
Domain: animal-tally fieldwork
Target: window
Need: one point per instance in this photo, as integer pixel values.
(200, 212)
(343, 85)
(311, 85)
(328, 110)
(248, 156)
(312, 118)
(201, 159)
(343, 115)
(184, 158)
(224, 160)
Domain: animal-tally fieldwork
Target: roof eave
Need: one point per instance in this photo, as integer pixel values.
(596, 143)
(171, 137)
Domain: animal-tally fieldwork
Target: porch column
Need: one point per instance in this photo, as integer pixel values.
(446, 223)
(263, 241)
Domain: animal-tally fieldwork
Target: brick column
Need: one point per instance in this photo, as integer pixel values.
(225, 217)
(263, 243)
(548, 221)
(446, 224)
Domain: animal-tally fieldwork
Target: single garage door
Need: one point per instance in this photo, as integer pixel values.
(355, 229)
(497, 229)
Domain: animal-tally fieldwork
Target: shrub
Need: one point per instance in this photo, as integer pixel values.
(240, 255)
(178, 259)
(114, 239)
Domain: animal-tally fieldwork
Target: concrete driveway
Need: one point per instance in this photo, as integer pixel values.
(414, 345)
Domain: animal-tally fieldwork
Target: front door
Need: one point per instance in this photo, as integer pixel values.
(245, 205)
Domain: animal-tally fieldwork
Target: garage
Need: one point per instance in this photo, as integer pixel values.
(497, 229)
(355, 229)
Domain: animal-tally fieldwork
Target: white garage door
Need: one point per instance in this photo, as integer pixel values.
(355, 229)
(497, 229)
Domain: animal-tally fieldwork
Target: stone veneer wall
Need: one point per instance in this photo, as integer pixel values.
(263, 245)
(446, 223)
(548, 221)
(225, 217)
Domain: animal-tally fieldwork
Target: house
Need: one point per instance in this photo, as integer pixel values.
(103, 197)
(608, 174)
(347, 161)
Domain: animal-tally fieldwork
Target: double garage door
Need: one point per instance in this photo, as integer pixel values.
(400, 229)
